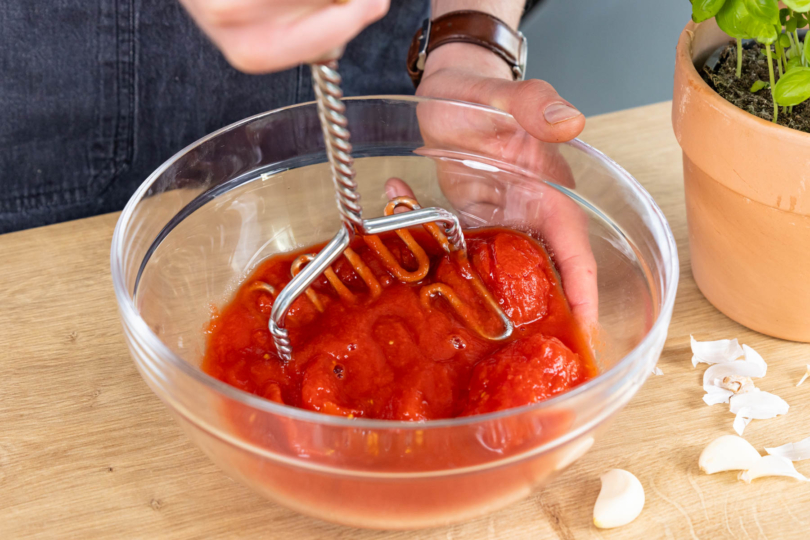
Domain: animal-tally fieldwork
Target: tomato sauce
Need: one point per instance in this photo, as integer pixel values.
(403, 355)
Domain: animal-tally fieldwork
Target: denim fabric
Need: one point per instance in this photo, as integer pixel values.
(96, 94)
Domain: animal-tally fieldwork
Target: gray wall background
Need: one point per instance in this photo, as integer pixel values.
(606, 55)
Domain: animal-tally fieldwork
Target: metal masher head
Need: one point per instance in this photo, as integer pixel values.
(441, 224)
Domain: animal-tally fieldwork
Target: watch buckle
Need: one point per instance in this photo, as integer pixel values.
(519, 70)
(424, 40)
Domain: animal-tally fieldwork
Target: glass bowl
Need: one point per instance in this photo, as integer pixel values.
(204, 220)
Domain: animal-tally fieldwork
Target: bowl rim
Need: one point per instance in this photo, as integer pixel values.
(140, 328)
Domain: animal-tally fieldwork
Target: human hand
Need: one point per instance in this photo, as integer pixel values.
(471, 73)
(260, 36)
(541, 117)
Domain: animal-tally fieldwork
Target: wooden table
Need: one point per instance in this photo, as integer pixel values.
(86, 450)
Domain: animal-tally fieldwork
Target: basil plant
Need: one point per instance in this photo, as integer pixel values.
(777, 31)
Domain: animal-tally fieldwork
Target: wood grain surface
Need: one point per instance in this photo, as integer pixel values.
(86, 450)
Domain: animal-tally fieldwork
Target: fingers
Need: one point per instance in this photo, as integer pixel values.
(260, 36)
(565, 229)
(541, 111)
(579, 275)
(536, 106)
(395, 187)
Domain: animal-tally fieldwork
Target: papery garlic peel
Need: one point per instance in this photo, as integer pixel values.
(728, 453)
(724, 379)
(715, 352)
(757, 405)
(793, 451)
(620, 500)
(771, 466)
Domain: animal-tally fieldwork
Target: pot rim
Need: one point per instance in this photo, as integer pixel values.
(684, 61)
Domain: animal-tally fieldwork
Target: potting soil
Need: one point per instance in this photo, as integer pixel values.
(723, 79)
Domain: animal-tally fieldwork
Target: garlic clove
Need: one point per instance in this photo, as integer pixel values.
(620, 500)
(771, 466)
(806, 374)
(728, 453)
(792, 451)
(715, 352)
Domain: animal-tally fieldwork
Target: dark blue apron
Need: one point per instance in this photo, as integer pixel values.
(95, 94)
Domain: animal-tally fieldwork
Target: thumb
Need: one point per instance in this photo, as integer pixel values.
(536, 106)
(539, 109)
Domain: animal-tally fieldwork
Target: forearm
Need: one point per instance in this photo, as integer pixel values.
(509, 11)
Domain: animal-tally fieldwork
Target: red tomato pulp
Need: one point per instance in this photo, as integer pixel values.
(399, 356)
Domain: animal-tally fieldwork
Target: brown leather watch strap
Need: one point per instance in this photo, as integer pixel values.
(474, 27)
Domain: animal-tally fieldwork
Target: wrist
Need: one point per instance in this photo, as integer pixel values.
(467, 58)
(470, 42)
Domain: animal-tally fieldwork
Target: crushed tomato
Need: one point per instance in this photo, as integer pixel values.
(394, 358)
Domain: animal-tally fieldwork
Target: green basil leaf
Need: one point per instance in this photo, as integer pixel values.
(793, 88)
(759, 85)
(784, 13)
(732, 19)
(801, 6)
(793, 63)
(766, 10)
(807, 46)
(784, 41)
(705, 9)
(736, 20)
(792, 24)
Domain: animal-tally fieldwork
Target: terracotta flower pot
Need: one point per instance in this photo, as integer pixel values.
(747, 185)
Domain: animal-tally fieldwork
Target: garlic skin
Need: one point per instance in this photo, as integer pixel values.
(806, 375)
(620, 500)
(756, 405)
(772, 466)
(715, 352)
(736, 383)
(715, 395)
(725, 379)
(728, 453)
(753, 357)
(792, 451)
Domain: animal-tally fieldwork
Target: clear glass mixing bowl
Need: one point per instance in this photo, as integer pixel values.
(206, 218)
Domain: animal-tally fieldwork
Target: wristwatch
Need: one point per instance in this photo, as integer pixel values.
(474, 27)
